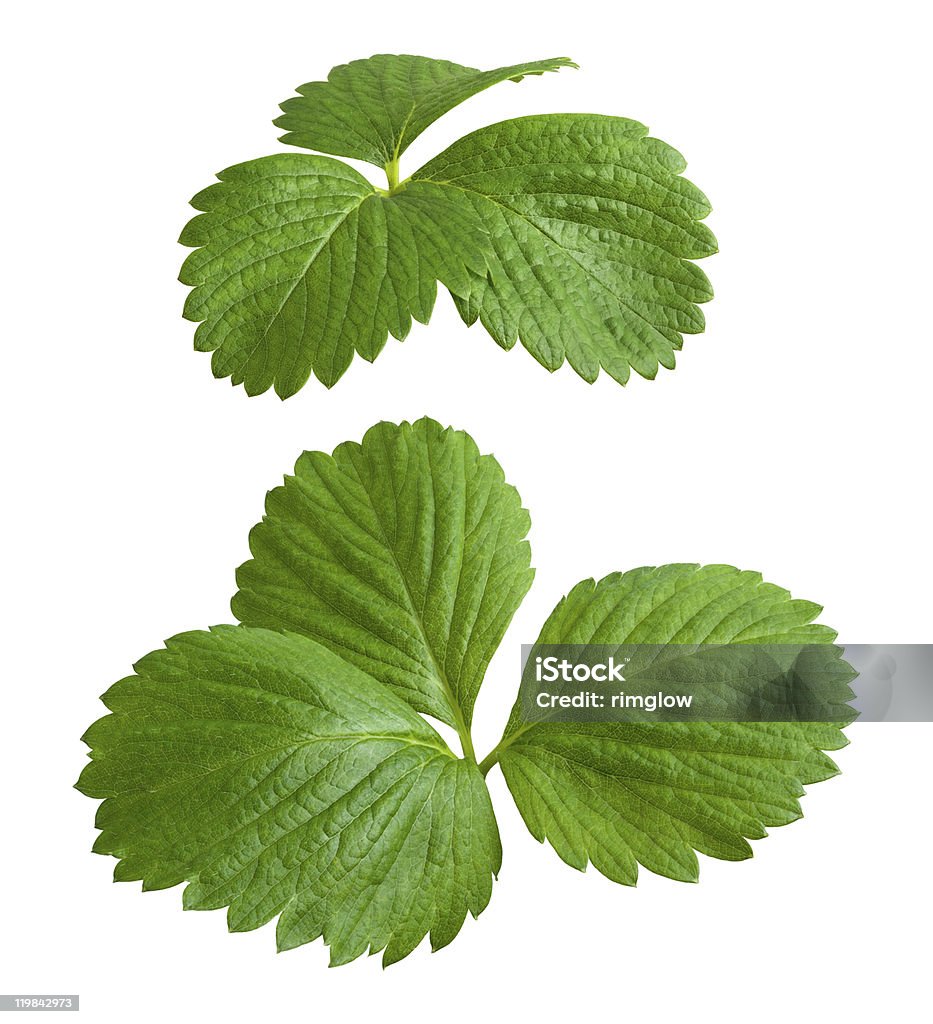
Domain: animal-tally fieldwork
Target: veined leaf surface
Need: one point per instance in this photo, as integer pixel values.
(374, 109)
(278, 780)
(592, 229)
(300, 262)
(404, 554)
(621, 794)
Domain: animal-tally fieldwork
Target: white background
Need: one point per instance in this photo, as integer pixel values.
(793, 438)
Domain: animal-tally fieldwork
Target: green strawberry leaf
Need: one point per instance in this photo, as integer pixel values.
(278, 780)
(281, 767)
(622, 794)
(404, 554)
(374, 109)
(593, 229)
(571, 232)
(300, 262)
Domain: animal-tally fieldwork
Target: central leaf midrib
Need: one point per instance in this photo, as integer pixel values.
(459, 722)
(324, 241)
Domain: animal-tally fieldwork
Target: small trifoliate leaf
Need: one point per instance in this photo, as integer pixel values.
(301, 262)
(571, 232)
(374, 109)
(593, 228)
(278, 780)
(404, 554)
(622, 794)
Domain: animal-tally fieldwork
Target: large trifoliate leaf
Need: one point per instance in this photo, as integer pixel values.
(281, 767)
(404, 554)
(620, 794)
(374, 109)
(277, 779)
(592, 228)
(571, 232)
(302, 263)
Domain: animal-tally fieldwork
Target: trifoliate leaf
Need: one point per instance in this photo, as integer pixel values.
(620, 794)
(374, 109)
(571, 232)
(278, 780)
(593, 229)
(285, 772)
(301, 262)
(404, 554)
